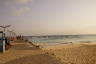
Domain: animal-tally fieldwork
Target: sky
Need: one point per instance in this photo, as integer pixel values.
(49, 17)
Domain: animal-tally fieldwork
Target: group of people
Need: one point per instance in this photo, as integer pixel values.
(9, 39)
(19, 37)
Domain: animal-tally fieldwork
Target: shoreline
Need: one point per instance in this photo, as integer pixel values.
(61, 45)
(46, 46)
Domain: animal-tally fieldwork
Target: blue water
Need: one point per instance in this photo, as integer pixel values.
(58, 39)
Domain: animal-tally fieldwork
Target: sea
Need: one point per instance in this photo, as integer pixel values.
(50, 40)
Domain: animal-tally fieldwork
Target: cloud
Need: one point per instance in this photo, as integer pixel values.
(19, 1)
(17, 12)
(18, 7)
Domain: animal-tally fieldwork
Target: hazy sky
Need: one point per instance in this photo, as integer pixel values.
(46, 17)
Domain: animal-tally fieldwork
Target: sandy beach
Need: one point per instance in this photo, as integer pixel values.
(23, 52)
(85, 54)
(47, 31)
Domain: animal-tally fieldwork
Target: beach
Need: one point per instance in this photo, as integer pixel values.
(47, 31)
(83, 54)
(23, 52)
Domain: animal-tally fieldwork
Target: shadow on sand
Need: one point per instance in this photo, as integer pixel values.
(24, 47)
(36, 59)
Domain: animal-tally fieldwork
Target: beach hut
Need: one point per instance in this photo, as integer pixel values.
(2, 41)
